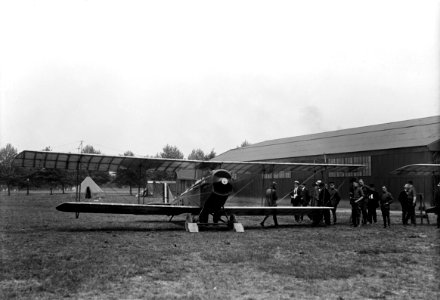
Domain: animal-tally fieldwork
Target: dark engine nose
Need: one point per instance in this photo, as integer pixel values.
(221, 183)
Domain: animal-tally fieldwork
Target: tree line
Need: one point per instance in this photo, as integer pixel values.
(16, 177)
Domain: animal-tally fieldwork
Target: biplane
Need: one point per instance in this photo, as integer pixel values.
(207, 196)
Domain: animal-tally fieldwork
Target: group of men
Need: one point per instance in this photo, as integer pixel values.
(364, 200)
(321, 195)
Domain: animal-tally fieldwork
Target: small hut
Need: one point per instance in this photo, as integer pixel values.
(90, 189)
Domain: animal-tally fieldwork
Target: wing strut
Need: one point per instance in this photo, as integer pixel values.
(139, 184)
(78, 186)
(262, 186)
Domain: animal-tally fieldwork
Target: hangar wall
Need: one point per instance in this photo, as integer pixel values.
(381, 164)
(382, 147)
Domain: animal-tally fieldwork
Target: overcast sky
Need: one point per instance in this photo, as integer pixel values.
(136, 75)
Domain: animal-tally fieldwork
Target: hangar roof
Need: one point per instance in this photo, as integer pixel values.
(403, 134)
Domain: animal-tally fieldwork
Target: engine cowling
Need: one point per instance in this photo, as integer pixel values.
(222, 183)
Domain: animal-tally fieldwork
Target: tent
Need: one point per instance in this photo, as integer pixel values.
(90, 188)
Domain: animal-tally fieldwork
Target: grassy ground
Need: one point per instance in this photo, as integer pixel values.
(50, 254)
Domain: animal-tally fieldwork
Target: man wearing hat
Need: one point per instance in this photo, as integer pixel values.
(403, 199)
(411, 200)
(295, 198)
(356, 195)
(324, 200)
(335, 197)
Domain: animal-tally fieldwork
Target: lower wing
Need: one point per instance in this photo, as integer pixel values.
(174, 210)
(132, 209)
(278, 210)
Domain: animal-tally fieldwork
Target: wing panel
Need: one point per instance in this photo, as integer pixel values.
(133, 209)
(279, 210)
(73, 161)
(418, 170)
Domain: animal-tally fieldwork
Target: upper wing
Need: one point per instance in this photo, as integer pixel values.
(418, 169)
(174, 210)
(98, 162)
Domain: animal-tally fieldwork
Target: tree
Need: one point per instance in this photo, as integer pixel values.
(90, 150)
(47, 148)
(49, 177)
(167, 152)
(210, 155)
(127, 176)
(8, 173)
(197, 154)
(171, 152)
(128, 153)
(245, 143)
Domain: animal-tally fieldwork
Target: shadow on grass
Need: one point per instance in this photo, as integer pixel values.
(284, 226)
(119, 228)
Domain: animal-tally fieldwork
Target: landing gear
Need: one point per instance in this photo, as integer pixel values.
(192, 223)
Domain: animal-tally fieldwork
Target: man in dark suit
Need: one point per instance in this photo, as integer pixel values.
(335, 197)
(436, 203)
(271, 200)
(373, 204)
(411, 201)
(403, 199)
(356, 196)
(324, 200)
(363, 204)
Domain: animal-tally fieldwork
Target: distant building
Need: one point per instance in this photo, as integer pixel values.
(381, 148)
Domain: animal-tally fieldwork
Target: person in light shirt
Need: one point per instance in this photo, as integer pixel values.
(295, 198)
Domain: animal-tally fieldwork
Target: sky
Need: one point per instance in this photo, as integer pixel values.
(137, 75)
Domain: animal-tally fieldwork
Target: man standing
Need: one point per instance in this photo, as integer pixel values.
(271, 200)
(413, 189)
(314, 197)
(334, 199)
(356, 196)
(403, 199)
(411, 203)
(304, 195)
(324, 200)
(363, 204)
(295, 198)
(373, 204)
(437, 204)
(385, 202)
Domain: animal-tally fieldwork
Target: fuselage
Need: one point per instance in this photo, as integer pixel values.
(209, 193)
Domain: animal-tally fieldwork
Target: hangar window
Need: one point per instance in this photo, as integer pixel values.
(363, 160)
(278, 175)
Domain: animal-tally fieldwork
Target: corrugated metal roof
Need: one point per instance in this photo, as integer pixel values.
(403, 134)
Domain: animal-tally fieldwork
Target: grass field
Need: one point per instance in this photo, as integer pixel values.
(50, 254)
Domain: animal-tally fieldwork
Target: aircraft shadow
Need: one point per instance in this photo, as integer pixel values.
(178, 226)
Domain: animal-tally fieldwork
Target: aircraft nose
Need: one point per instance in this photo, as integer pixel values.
(222, 186)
